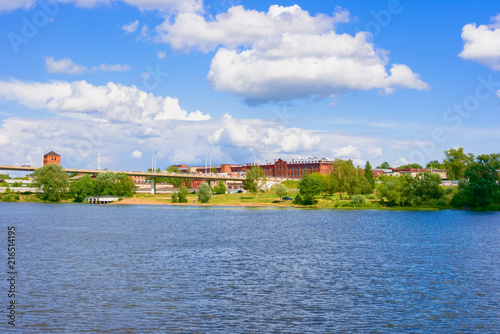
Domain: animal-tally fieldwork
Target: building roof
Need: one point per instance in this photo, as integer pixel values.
(52, 153)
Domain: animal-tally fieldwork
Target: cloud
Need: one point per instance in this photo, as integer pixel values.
(376, 152)
(136, 154)
(131, 27)
(111, 102)
(286, 54)
(482, 44)
(6, 6)
(161, 5)
(113, 68)
(168, 6)
(287, 71)
(67, 66)
(241, 27)
(347, 152)
(161, 54)
(498, 93)
(261, 135)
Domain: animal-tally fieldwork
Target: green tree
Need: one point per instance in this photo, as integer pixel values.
(413, 165)
(204, 193)
(53, 181)
(331, 184)
(213, 170)
(321, 179)
(420, 189)
(492, 160)
(220, 188)
(369, 178)
(105, 184)
(114, 184)
(175, 198)
(384, 165)
(183, 193)
(309, 186)
(481, 187)
(124, 185)
(390, 189)
(82, 187)
(281, 191)
(434, 164)
(350, 181)
(255, 180)
(456, 162)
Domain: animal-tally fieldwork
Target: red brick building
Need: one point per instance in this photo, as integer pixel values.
(279, 168)
(51, 158)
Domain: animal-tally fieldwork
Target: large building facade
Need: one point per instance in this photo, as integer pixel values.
(293, 169)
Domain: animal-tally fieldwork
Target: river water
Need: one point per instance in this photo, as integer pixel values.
(160, 269)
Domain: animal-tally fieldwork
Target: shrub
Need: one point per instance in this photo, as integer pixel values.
(358, 200)
(10, 198)
(449, 190)
(441, 202)
(493, 207)
(297, 199)
(371, 196)
(308, 200)
(458, 200)
(174, 198)
(182, 195)
(204, 193)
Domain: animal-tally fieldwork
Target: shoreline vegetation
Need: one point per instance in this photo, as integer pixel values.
(344, 187)
(265, 200)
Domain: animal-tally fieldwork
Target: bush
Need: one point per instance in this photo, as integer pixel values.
(182, 195)
(493, 207)
(10, 198)
(204, 193)
(297, 199)
(442, 202)
(371, 196)
(358, 200)
(308, 200)
(449, 190)
(458, 200)
(174, 198)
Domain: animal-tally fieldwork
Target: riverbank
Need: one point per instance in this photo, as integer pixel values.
(264, 200)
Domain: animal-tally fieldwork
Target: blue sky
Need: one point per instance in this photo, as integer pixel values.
(396, 81)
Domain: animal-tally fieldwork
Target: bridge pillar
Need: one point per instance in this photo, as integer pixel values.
(153, 186)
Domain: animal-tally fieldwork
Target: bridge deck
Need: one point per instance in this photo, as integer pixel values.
(146, 174)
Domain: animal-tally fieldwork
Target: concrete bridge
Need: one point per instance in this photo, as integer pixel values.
(152, 176)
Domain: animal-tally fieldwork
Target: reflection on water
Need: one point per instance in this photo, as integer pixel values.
(150, 269)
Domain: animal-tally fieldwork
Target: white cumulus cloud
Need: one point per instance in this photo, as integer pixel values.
(136, 154)
(482, 44)
(347, 152)
(111, 102)
(242, 27)
(286, 53)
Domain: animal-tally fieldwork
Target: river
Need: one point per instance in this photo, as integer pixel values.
(161, 269)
